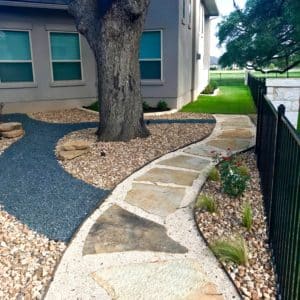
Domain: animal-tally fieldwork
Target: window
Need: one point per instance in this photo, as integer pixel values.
(183, 11)
(65, 56)
(151, 55)
(190, 13)
(15, 57)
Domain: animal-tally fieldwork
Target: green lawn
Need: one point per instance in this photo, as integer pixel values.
(234, 99)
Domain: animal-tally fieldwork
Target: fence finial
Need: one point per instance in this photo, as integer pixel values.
(281, 110)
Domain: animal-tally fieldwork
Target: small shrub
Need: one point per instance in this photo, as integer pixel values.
(233, 183)
(162, 105)
(233, 250)
(146, 106)
(207, 203)
(244, 170)
(214, 174)
(247, 216)
(209, 89)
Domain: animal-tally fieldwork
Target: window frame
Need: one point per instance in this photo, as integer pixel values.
(20, 84)
(161, 60)
(65, 82)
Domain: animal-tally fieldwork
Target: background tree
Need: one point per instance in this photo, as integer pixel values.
(264, 32)
(113, 29)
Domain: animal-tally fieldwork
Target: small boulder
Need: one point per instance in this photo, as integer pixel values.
(10, 126)
(71, 154)
(75, 145)
(12, 134)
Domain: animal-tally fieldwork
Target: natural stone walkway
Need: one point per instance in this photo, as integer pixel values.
(143, 243)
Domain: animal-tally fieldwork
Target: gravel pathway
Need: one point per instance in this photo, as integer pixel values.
(36, 190)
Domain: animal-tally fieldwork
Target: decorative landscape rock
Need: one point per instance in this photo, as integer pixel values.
(72, 149)
(12, 134)
(75, 145)
(152, 281)
(158, 200)
(10, 126)
(68, 155)
(118, 230)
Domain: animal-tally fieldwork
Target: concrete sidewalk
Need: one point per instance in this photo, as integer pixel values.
(143, 243)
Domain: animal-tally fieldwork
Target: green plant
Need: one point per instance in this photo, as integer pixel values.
(247, 215)
(208, 90)
(162, 105)
(146, 106)
(244, 170)
(207, 203)
(214, 84)
(214, 174)
(233, 183)
(231, 250)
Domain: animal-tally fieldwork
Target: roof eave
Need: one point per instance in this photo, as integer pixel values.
(211, 8)
(34, 5)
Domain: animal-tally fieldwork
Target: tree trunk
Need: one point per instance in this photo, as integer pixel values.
(113, 30)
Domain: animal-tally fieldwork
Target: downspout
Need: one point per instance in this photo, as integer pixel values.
(194, 54)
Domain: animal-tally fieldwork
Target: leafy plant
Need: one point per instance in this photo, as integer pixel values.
(233, 182)
(209, 89)
(207, 203)
(247, 216)
(233, 250)
(214, 174)
(162, 105)
(146, 106)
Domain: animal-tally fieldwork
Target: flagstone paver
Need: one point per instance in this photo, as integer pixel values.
(155, 199)
(118, 230)
(146, 214)
(151, 281)
(162, 175)
(186, 162)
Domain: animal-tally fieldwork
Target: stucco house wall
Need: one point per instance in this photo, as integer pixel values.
(183, 75)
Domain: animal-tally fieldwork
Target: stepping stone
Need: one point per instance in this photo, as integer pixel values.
(167, 280)
(237, 123)
(169, 176)
(12, 134)
(68, 155)
(201, 150)
(118, 230)
(76, 145)
(236, 133)
(157, 200)
(187, 162)
(10, 126)
(233, 145)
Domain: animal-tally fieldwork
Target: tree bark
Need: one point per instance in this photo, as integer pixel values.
(113, 30)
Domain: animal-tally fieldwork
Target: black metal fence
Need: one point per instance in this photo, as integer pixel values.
(278, 160)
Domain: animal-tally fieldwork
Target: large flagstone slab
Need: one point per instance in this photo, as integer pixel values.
(232, 144)
(162, 175)
(236, 123)
(241, 133)
(118, 230)
(170, 280)
(201, 150)
(187, 162)
(157, 200)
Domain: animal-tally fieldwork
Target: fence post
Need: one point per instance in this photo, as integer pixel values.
(259, 104)
(281, 113)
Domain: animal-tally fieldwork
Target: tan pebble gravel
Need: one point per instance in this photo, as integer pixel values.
(27, 260)
(65, 116)
(256, 280)
(6, 143)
